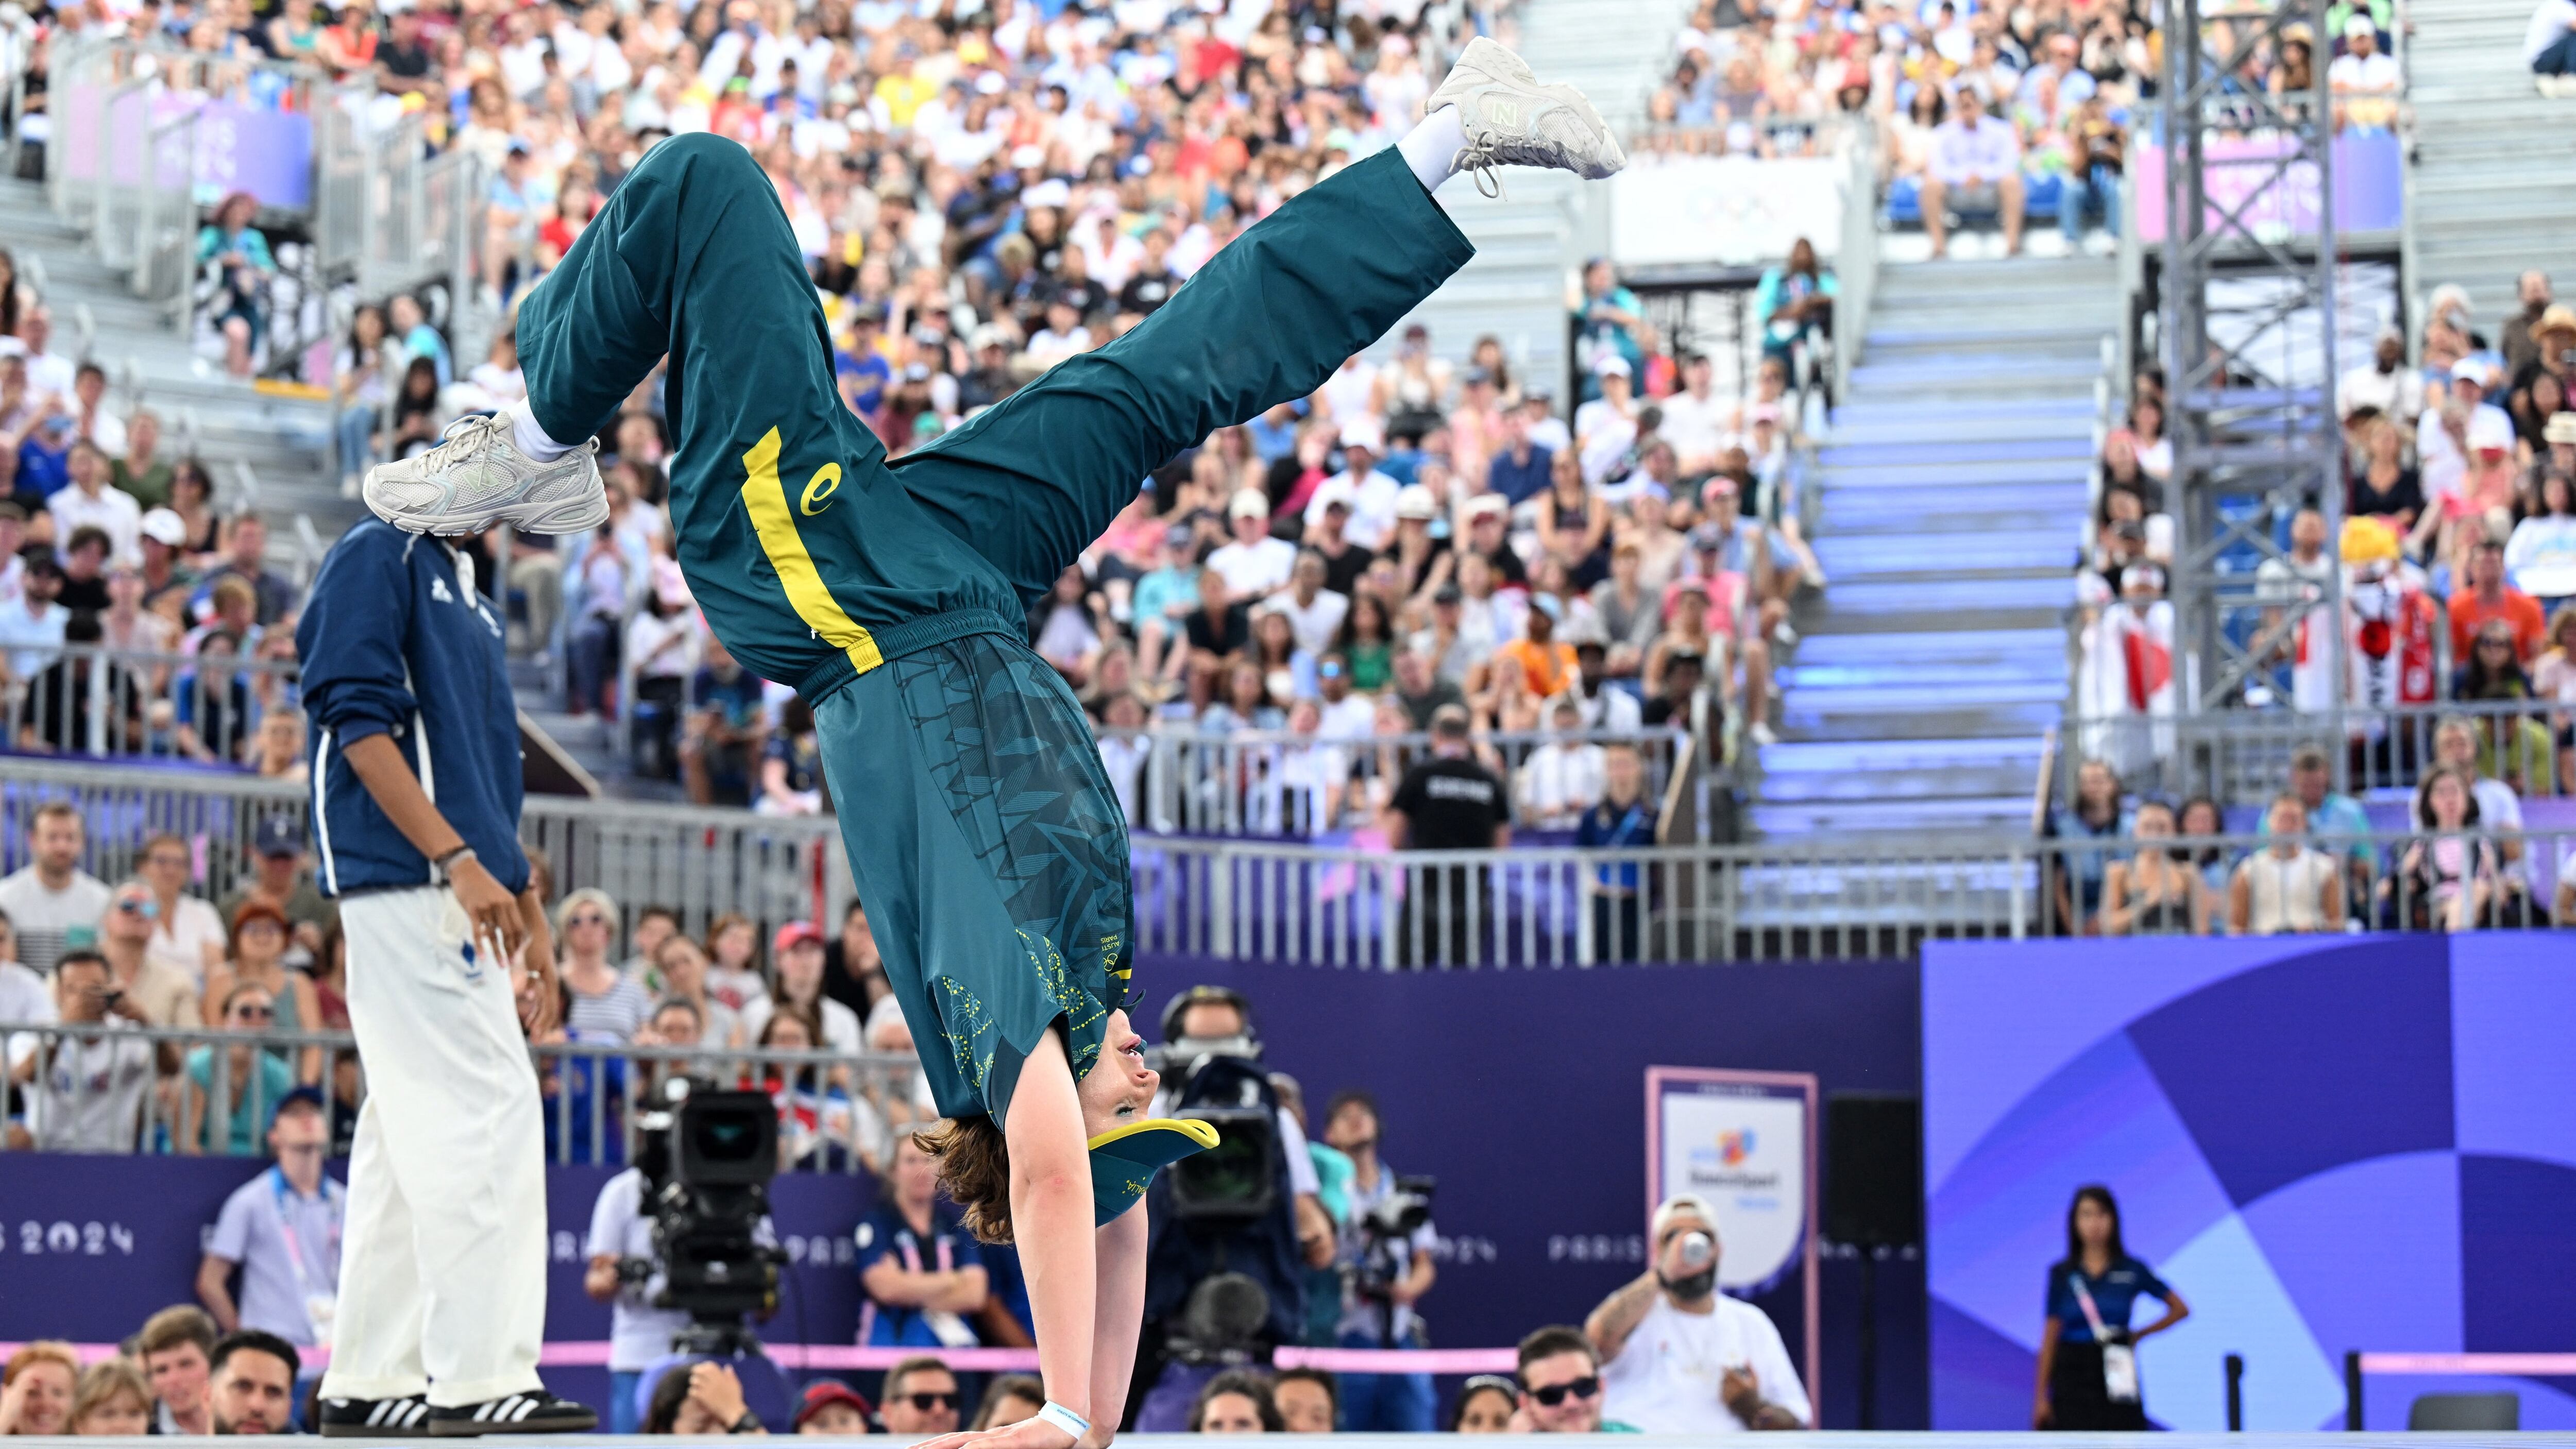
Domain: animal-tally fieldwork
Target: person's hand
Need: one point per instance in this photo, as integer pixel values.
(718, 1390)
(122, 1003)
(2041, 1414)
(540, 1008)
(1026, 1434)
(1740, 1392)
(1668, 1263)
(13, 1403)
(491, 908)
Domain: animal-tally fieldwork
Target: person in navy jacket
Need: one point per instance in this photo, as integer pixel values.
(416, 790)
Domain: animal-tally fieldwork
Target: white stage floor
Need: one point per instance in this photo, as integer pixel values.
(1830, 1440)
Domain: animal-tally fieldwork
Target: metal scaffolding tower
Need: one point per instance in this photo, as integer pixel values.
(2247, 333)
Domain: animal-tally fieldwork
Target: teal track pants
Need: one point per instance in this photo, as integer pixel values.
(980, 828)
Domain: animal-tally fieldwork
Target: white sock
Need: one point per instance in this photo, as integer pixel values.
(532, 439)
(1431, 148)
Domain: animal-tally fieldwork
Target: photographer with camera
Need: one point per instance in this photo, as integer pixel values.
(641, 1209)
(1235, 1229)
(1679, 1357)
(1386, 1250)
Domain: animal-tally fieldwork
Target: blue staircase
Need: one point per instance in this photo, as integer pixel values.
(1953, 494)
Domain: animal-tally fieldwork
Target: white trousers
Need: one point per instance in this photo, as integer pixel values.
(443, 1265)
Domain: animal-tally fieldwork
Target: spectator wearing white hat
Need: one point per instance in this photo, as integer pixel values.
(163, 541)
(1254, 564)
(2365, 81)
(1370, 493)
(1679, 1357)
(2449, 434)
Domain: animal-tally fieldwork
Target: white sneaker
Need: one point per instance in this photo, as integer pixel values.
(478, 477)
(1512, 120)
(1761, 733)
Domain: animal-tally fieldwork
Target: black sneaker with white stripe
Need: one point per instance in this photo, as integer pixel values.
(536, 1413)
(403, 1418)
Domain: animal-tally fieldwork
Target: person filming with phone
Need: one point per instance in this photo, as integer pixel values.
(1679, 1357)
(2088, 1360)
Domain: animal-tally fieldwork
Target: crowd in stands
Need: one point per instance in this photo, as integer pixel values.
(1980, 110)
(982, 193)
(136, 618)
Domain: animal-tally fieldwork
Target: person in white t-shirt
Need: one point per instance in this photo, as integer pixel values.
(24, 996)
(188, 934)
(51, 896)
(1696, 418)
(1255, 563)
(638, 1333)
(1314, 612)
(1679, 1357)
(1369, 493)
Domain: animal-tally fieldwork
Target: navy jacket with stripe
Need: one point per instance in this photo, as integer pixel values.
(395, 641)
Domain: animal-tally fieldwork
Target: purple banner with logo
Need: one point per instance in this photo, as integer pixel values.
(2369, 186)
(266, 152)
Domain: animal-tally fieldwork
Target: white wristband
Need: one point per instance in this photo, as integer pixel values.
(1065, 1419)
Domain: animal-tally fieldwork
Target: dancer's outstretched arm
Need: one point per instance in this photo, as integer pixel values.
(1086, 1282)
(1121, 1315)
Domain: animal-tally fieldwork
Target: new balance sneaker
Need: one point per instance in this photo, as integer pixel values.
(403, 1418)
(534, 1413)
(1512, 120)
(477, 477)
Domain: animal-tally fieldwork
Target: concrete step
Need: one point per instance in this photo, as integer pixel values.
(1935, 822)
(1996, 647)
(1860, 557)
(1880, 757)
(1818, 787)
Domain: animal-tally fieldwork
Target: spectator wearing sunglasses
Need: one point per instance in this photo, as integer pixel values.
(223, 1106)
(1560, 1385)
(1679, 1357)
(920, 1399)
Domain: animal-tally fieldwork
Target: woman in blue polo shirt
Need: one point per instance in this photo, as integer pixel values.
(924, 1273)
(2088, 1377)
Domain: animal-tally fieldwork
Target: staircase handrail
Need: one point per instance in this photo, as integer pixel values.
(1856, 257)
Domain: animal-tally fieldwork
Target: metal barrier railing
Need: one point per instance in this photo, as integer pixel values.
(1277, 783)
(2242, 757)
(123, 1088)
(699, 863)
(1292, 903)
(1774, 901)
(87, 699)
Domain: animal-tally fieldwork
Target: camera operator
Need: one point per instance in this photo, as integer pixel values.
(625, 1270)
(1386, 1256)
(1237, 1231)
(1206, 1018)
(639, 1334)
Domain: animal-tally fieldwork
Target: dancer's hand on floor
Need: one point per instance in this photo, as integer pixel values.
(1026, 1434)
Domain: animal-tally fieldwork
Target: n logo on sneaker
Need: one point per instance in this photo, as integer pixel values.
(1502, 112)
